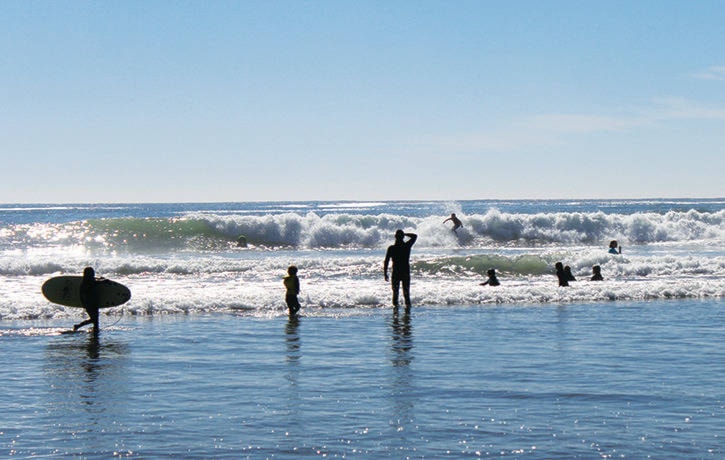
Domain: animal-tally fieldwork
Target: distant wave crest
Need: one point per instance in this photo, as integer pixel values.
(311, 231)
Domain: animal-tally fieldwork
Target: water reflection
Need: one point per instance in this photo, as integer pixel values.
(295, 418)
(88, 383)
(402, 338)
(292, 339)
(89, 360)
(402, 384)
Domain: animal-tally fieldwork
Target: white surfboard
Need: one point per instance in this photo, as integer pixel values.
(66, 290)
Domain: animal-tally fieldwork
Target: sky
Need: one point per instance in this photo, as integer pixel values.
(196, 101)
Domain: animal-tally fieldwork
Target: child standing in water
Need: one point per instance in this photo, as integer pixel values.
(292, 284)
(614, 247)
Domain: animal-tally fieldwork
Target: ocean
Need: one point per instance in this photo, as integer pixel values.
(203, 361)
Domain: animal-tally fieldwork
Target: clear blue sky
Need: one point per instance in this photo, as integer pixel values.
(140, 101)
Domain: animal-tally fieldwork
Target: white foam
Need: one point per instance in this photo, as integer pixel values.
(191, 264)
(255, 286)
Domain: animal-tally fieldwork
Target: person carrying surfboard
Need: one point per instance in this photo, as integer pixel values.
(400, 254)
(89, 299)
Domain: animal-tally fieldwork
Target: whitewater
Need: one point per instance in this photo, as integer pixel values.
(186, 258)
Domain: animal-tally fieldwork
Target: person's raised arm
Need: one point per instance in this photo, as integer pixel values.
(412, 237)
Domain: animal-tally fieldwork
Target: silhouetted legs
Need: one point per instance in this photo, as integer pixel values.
(406, 290)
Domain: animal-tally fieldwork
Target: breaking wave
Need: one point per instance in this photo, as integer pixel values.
(186, 258)
(198, 231)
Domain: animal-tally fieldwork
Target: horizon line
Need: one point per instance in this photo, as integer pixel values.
(346, 200)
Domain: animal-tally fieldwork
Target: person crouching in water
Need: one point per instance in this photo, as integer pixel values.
(292, 283)
(597, 273)
(89, 299)
(492, 280)
(568, 273)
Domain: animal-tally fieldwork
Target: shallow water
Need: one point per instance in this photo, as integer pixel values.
(573, 380)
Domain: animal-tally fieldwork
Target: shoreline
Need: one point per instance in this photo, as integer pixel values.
(124, 321)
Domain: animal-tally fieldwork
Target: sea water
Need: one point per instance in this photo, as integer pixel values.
(203, 361)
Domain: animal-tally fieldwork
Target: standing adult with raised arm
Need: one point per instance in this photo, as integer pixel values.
(399, 253)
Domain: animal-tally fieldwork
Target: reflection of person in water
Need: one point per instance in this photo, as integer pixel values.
(561, 275)
(402, 343)
(597, 273)
(292, 284)
(293, 338)
(614, 247)
(400, 255)
(456, 223)
(492, 280)
(91, 365)
(89, 299)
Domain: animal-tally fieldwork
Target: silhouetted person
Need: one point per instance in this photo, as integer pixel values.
(568, 273)
(614, 247)
(292, 283)
(456, 223)
(400, 254)
(89, 299)
(561, 275)
(492, 280)
(597, 273)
